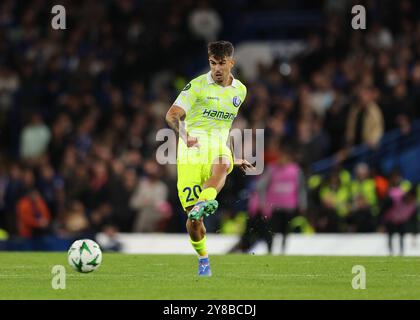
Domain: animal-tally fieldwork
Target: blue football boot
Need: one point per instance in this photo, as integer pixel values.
(204, 267)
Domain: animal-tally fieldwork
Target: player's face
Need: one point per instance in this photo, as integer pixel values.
(221, 68)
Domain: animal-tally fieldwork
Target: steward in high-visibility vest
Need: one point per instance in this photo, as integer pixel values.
(366, 188)
(335, 195)
(363, 185)
(345, 177)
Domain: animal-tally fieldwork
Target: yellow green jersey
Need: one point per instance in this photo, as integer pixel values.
(210, 108)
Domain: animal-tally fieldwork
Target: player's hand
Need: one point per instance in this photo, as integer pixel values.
(192, 142)
(244, 165)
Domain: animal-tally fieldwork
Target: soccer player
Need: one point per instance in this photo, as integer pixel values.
(202, 117)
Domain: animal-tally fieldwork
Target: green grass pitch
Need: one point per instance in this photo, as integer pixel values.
(122, 276)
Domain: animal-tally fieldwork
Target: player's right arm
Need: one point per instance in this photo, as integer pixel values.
(174, 118)
(178, 111)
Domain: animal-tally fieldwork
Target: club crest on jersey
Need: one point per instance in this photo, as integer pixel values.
(236, 101)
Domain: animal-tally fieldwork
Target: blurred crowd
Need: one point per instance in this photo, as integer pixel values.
(80, 108)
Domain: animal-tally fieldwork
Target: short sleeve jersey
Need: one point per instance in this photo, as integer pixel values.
(210, 108)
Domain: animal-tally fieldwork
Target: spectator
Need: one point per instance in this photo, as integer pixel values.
(311, 142)
(205, 22)
(335, 123)
(33, 215)
(360, 218)
(414, 95)
(60, 132)
(398, 106)
(14, 190)
(9, 84)
(364, 185)
(322, 96)
(99, 188)
(84, 137)
(75, 222)
(34, 138)
(101, 217)
(335, 198)
(365, 121)
(381, 183)
(77, 184)
(150, 195)
(50, 187)
(123, 190)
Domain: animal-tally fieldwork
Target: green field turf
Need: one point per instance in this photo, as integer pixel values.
(28, 276)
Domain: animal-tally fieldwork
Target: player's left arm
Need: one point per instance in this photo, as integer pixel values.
(239, 162)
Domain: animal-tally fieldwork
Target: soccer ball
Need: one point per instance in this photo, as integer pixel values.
(85, 255)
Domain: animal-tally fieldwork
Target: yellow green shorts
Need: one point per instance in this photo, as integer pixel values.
(194, 168)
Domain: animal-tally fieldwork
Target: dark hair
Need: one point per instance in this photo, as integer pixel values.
(220, 49)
